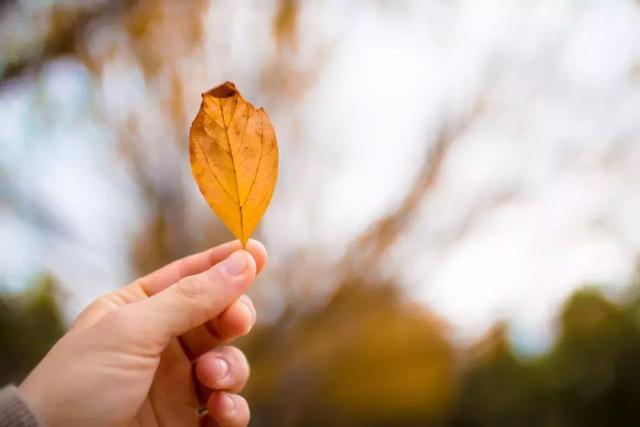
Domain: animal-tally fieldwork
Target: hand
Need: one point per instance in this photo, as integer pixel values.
(149, 354)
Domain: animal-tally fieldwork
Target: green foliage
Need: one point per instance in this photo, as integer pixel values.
(30, 323)
(591, 377)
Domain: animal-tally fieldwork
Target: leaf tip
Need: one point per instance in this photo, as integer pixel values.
(263, 112)
(225, 90)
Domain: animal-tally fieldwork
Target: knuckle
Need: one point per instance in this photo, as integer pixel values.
(113, 320)
(114, 325)
(236, 321)
(191, 287)
(140, 282)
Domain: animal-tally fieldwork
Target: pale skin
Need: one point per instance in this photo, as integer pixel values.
(153, 352)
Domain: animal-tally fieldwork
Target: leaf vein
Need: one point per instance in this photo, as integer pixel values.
(211, 169)
(235, 170)
(255, 176)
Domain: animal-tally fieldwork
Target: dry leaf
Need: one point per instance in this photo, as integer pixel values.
(234, 158)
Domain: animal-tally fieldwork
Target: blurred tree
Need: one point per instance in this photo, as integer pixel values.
(30, 323)
(594, 370)
(369, 358)
(55, 29)
(591, 377)
(498, 388)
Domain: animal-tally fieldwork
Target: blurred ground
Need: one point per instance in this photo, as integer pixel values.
(453, 174)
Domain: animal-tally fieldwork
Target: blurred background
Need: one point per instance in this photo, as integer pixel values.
(454, 235)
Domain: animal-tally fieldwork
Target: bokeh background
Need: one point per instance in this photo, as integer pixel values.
(454, 238)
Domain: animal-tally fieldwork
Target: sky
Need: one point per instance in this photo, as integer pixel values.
(538, 196)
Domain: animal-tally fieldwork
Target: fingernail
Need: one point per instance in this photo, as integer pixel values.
(245, 300)
(228, 402)
(222, 367)
(235, 264)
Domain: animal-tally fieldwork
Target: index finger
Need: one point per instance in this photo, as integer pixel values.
(197, 263)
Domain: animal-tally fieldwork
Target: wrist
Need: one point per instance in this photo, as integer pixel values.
(29, 394)
(15, 409)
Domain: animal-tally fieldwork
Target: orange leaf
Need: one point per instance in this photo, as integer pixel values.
(234, 158)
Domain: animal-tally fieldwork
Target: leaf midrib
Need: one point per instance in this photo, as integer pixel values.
(233, 162)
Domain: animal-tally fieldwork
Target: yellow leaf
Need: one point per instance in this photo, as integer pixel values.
(234, 158)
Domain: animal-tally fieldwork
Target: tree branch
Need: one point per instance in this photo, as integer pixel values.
(68, 26)
(368, 251)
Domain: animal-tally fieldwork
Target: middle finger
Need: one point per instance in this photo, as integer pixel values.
(237, 320)
(225, 368)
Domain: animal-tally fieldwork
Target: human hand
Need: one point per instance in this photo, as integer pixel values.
(149, 354)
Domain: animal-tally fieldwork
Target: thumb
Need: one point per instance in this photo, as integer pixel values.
(188, 303)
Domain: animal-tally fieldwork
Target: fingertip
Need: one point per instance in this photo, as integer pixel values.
(251, 265)
(225, 368)
(212, 368)
(240, 264)
(228, 409)
(259, 253)
(249, 308)
(237, 320)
